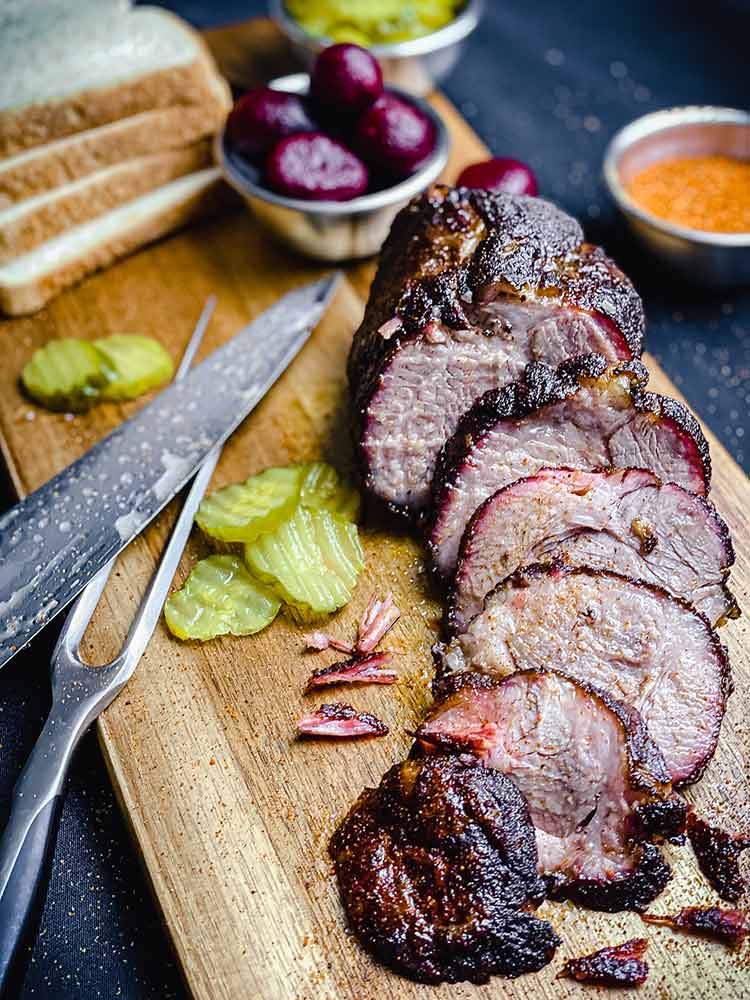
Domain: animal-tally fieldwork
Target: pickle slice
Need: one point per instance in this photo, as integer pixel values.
(67, 374)
(312, 561)
(136, 364)
(220, 598)
(243, 511)
(322, 488)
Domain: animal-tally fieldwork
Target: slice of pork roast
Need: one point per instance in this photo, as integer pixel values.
(624, 520)
(583, 415)
(438, 873)
(472, 285)
(650, 649)
(596, 784)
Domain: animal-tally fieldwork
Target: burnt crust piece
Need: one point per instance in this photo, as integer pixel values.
(543, 385)
(718, 855)
(731, 927)
(437, 869)
(620, 965)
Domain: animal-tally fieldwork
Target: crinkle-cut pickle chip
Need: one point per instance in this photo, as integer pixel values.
(67, 374)
(220, 598)
(322, 487)
(136, 364)
(312, 561)
(243, 511)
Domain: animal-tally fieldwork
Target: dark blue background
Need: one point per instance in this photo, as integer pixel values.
(543, 81)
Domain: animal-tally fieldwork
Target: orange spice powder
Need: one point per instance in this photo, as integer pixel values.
(711, 193)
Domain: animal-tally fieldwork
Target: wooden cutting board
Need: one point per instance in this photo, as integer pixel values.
(231, 814)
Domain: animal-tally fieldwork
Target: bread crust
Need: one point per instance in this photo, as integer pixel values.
(75, 157)
(102, 192)
(20, 299)
(192, 84)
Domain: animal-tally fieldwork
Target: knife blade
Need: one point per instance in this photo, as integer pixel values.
(57, 538)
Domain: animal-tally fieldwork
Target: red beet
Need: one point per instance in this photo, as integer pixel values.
(500, 174)
(315, 167)
(261, 117)
(394, 137)
(345, 79)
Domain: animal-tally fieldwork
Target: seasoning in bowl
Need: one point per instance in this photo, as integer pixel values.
(709, 193)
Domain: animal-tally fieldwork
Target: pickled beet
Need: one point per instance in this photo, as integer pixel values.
(315, 167)
(394, 137)
(345, 79)
(261, 117)
(500, 174)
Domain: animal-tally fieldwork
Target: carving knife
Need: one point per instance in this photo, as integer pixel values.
(57, 538)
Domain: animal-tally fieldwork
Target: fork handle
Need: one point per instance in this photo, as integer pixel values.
(24, 893)
(29, 838)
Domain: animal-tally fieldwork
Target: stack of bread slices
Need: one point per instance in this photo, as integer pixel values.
(107, 115)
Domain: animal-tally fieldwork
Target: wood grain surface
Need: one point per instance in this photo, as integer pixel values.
(231, 813)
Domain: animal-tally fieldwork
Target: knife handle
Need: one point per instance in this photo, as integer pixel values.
(24, 892)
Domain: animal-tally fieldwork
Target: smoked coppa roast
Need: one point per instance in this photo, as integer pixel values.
(472, 285)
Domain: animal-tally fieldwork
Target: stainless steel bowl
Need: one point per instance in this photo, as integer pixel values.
(719, 260)
(330, 230)
(415, 66)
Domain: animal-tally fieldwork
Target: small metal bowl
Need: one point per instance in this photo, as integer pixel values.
(330, 230)
(719, 260)
(416, 66)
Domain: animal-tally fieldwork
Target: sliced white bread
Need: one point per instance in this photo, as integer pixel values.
(27, 225)
(68, 69)
(33, 279)
(50, 166)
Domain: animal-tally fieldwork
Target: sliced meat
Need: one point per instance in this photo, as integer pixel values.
(633, 639)
(624, 520)
(472, 285)
(596, 785)
(582, 415)
(438, 873)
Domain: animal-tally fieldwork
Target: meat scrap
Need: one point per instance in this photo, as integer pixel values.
(621, 965)
(728, 926)
(358, 670)
(319, 641)
(341, 721)
(718, 855)
(378, 619)
(437, 869)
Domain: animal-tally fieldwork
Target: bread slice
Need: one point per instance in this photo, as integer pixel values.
(69, 68)
(30, 223)
(50, 166)
(33, 279)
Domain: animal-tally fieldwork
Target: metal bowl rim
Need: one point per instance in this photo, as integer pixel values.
(657, 121)
(459, 28)
(366, 203)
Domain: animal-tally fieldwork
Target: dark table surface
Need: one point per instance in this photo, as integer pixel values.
(544, 82)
